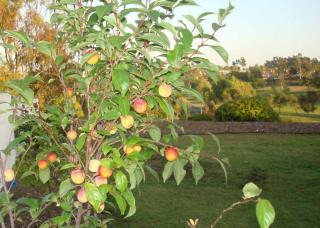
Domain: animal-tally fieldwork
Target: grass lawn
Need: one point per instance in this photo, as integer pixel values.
(287, 167)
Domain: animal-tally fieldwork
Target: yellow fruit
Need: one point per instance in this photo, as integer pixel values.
(72, 135)
(77, 176)
(94, 165)
(131, 149)
(165, 90)
(8, 175)
(94, 59)
(127, 121)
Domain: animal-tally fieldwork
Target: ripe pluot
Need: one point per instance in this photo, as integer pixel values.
(171, 154)
(52, 157)
(42, 164)
(81, 196)
(104, 172)
(77, 176)
(140, 105)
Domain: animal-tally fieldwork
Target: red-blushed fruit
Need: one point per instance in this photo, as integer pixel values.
(127, 121)
(171, 154)
(81, 196)
(140, 105)
(8, 175)
(131, 149)
(104, 172)
(52, 157)
(98, 180)
(77, 176)
(94, 165)
(72, 135)
(165, 90)
(69, 92)
(43, 164)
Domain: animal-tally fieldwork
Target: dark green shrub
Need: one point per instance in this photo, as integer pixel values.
(308, 102)
(246, 109)
(202, 117)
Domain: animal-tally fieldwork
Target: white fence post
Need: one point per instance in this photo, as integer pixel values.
(6, 131)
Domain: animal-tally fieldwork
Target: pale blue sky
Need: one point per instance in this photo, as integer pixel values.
(261, 29)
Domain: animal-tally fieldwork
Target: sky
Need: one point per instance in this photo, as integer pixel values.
(261, 29)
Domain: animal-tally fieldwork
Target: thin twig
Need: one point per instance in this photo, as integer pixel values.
(232, 206)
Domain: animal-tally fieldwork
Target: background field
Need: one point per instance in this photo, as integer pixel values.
(285, 166)
(291, 114)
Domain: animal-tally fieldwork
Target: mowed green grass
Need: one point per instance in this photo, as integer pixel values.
(286, 167)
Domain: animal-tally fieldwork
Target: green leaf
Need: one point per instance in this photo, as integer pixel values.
(203, 15)
(222, 52)
(187, 39)
(30, 202)
(172, 77)
(26, 174)
(81, 141)
(265, 213)
(174, 57)
(59, 59)
(169, 27)
(121, 80)
(131, 201)
(223, 168)
(124, 105)
(44, 175)
(152, 172)
(156, 39)
(167, 171)
(103, 10)
(178, 171)
(46, 48)
(117, 41)
(111, 115)
(20, 36)
(197, 141)
(197, 172)
(251, 190)
(155, 133)
(65, 187)
(217, 141)
(24, 91)
(120, 202)
(166, 108)
(223, 13)
(68, 166)
(121, 181)
(194, 22)
(94, 196)
(189, 92)
(106, 148)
